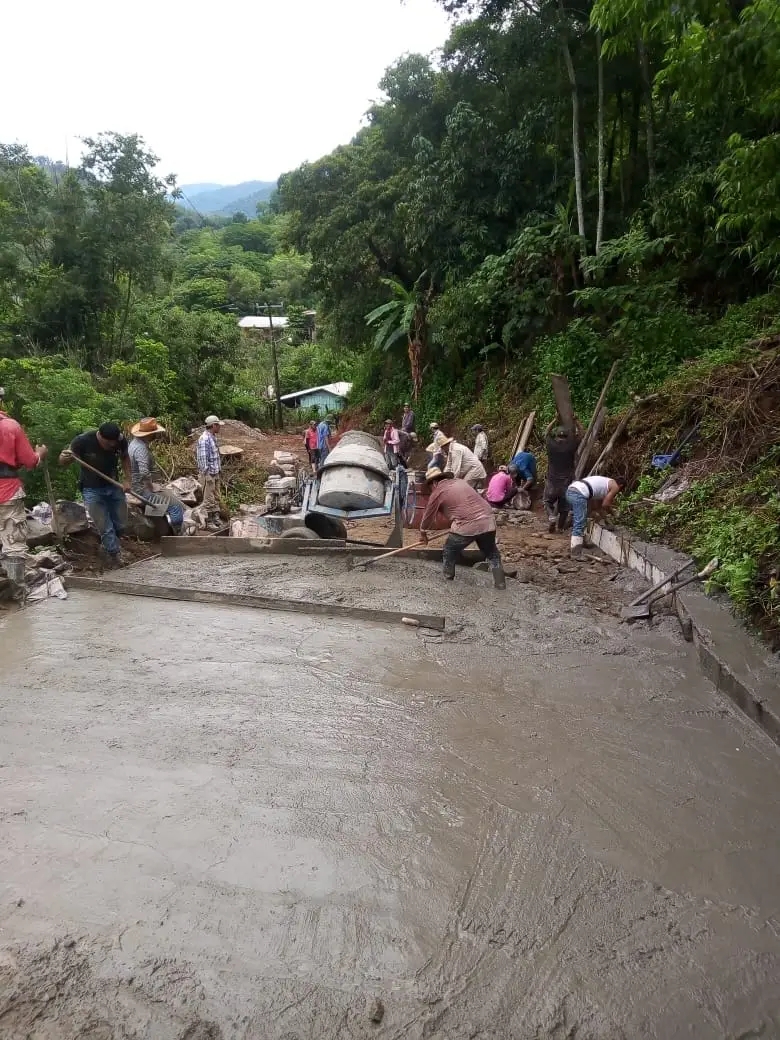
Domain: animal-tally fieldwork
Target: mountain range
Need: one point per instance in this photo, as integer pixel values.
(226, 199)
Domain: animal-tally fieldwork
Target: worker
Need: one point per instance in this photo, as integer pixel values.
(462, 462)
(502, 488)
(561, 448)
(310, 442)
(16, 453)
(142, 466)
(437, 433)
(408, 420)
(106, 504)
(481, 446)
(323, 439)
(406, 445)
(598, 491)
(391, 442)
(209, 468)
(471, 519)
(526, 469)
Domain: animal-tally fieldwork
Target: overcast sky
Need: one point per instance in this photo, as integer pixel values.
(225, 92)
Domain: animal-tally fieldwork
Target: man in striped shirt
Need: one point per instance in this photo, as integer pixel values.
(209, 468)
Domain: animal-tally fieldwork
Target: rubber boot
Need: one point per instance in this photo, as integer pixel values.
(448, 569)
(499, 578)
(576, 547)
(552, 522)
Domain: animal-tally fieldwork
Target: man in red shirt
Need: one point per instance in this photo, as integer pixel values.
(15, 452)
(471, 520)
(311, 443)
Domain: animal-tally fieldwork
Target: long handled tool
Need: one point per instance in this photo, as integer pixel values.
(55, 524)
(395, 552)
(161, 500)
(637, 611)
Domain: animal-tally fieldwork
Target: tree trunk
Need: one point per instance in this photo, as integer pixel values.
(647, 87)
(575, 121)
(125, 313)
(600, 160)
(415, 355)
(600, 220)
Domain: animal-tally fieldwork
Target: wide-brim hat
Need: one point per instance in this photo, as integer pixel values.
(147, 428)
(213, 420)
(445, 440)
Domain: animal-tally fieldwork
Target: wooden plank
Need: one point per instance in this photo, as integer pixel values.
(201, 546)
(527, 431)
(560, 385)
(592, 432)
(614, 438)
(518, 435)
(585, 450)
(231, 599)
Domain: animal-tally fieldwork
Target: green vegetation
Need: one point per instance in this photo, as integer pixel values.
(112, 306)
(565, 187)
(573, 185)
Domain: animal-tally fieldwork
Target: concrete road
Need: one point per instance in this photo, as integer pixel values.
(223, 823)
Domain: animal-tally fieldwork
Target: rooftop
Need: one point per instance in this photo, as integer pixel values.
(337, 389)
(262, 321)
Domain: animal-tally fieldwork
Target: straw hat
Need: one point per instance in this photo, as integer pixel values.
(436, 473)
(147, 428)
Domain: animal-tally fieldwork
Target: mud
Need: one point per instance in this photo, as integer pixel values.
(223, 823)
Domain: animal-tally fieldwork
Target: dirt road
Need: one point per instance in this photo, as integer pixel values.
(223, 823)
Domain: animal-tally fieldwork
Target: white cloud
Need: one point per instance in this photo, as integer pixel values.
(240, 90)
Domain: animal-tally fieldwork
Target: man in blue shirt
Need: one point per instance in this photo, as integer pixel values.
(323, 439)
(526, 468)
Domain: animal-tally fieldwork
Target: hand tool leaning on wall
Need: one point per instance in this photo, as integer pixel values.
(641, 607)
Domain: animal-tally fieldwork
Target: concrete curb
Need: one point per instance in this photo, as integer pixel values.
(730, 658)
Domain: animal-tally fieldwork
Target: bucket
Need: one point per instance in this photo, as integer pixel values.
(420, 493)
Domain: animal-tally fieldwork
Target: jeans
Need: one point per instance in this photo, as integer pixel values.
(107, 508)
(456, 543)
(391, 458)
(579, 511)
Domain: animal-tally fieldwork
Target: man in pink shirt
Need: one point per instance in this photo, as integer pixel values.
(471, 520)
(391, 440)
(15, 452)
(502, 488)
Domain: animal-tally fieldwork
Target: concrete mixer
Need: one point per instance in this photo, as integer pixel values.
(354, 483)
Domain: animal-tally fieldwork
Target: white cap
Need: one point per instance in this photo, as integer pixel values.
(212, 420)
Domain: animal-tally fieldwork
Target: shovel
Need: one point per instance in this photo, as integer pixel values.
(636, 611)
(404, 548)
(155, 501)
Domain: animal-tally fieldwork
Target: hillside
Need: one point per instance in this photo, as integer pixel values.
(227, 199)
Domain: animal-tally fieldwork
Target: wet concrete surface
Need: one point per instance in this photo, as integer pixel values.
(228, 823)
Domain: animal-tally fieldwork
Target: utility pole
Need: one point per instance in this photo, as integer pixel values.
(278, 406)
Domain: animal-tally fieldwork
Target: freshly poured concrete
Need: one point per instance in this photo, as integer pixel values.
(226, 823)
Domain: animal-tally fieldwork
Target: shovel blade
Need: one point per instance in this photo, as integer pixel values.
(637, 613)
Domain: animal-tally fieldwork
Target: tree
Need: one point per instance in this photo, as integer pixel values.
(405, 317)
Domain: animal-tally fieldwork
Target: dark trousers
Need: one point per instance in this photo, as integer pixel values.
(456, 543)
(555, 503)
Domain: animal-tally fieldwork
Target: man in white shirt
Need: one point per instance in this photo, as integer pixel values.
(462, 462)
(601, 491)
(481, 446)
